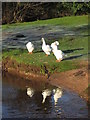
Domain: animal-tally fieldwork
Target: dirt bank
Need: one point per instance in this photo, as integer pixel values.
(76, 80)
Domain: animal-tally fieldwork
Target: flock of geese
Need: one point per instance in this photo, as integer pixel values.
(57, 93)
(47, 49)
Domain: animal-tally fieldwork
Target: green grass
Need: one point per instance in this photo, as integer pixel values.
(72, 43)
(76, 46)
(64, 21)
(39, 60)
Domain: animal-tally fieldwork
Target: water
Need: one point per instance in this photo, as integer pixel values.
(26, 98)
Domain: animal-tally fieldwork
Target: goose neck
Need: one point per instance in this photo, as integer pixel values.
(44, 42)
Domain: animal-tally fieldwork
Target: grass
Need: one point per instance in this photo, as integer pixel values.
(39, 60)
(64, 21)
(76, 47)
(73, 47)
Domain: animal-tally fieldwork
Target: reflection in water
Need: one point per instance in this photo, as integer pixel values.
(46, 93)
(35, 99)
(57, 94)
(30, 92)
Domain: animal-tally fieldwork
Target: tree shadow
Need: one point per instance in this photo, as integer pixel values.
(81, 28)
(72, 50)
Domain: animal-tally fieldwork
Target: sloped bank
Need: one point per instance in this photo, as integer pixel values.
(76, 79)
(22, 70)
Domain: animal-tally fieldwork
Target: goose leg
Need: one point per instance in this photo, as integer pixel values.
(46, 54)
(58, 60)
(30, 53)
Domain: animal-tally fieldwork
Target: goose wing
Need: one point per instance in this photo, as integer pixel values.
(48, 48)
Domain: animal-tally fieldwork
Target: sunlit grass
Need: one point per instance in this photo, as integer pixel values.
(73, 47)
(76, 47)
(71, 43)
(38, 59)
(64, 21)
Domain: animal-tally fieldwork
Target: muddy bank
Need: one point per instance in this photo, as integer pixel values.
(76, 80)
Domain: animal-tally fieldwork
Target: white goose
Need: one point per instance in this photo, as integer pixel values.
(30, 92)
(58, 53)
(57, 94)
(30, 47)
(54, 45)
(46, 48)
(46, 93)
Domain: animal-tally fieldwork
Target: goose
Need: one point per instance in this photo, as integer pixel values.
(46, 93)
(54, 45)
(30, 47)
(57, 94)
(46, 48)
(30, 92)
(58, 53)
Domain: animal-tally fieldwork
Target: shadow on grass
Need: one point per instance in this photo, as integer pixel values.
(81, 28)
(65, 51)
(39, 51)
(72, 50)
(74, 57)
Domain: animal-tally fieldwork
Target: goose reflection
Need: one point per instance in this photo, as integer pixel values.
(46, 93)
(30, 92)
(57, 94)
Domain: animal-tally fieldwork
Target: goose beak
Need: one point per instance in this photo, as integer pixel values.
(42, 39)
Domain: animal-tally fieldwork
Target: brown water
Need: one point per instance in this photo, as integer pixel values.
(16, 103)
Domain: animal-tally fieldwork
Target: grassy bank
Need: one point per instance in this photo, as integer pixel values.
(64, 21)
(76, 49)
